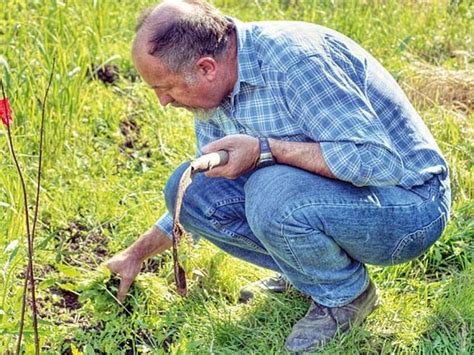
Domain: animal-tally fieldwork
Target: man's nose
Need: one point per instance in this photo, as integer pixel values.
(164, 99)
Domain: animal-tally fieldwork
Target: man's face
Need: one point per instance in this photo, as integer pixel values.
(197, 95)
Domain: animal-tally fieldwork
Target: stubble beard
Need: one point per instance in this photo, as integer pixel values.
(202, 114)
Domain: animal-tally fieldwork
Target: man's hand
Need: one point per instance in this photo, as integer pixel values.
(244, 152)
(128, 263)
(127, 266)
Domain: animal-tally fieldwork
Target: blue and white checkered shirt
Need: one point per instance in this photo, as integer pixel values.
(306, 83)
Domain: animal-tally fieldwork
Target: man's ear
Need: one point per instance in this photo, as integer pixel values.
(207, 68)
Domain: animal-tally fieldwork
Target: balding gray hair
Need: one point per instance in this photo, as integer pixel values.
(189, 35)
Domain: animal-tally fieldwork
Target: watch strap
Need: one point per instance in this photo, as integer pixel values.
(266, 156)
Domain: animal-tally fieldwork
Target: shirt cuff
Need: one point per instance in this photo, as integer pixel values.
(342, 160)
(363, 164)
(165, 224)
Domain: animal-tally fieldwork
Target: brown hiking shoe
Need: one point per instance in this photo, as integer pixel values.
(275, 284)
(320, 323)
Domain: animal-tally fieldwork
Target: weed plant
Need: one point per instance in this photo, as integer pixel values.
(109, 149)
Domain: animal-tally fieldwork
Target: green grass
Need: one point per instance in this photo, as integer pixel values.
(102, 189)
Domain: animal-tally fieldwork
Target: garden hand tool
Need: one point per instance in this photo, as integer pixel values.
(203, 163)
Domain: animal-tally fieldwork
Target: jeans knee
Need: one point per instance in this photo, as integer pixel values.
(171, 189)
(256, 218)
(262, 205)
(277, 197)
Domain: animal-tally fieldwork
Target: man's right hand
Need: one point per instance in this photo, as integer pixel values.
(127, 266)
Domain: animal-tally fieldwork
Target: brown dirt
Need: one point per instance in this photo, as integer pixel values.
(62, 309)
(69, 300)
(40, 271)
(133, 142)
(153, 265)
(109, 73)
(81, 245)
(134, 148)
(129, 127)
(169, 340)
(68, 350)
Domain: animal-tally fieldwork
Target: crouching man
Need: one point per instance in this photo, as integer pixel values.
(330, 167)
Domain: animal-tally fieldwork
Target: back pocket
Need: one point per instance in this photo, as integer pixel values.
(414, 244)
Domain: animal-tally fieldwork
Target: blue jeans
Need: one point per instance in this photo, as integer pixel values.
(316, 231)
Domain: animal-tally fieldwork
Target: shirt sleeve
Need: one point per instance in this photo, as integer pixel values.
(165, 224)
(329, 102)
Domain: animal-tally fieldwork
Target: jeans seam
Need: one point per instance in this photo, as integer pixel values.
(237, 236)
(251, 244)
(290, 250)
(232, 200)
(352, 205)
(228, 201)
(288, 244)
(219, 227)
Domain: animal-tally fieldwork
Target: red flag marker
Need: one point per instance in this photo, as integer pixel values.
(6, 111)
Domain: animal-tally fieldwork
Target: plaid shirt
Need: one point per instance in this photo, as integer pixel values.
(306, 83)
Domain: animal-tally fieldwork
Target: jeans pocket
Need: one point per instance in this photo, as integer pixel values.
(416, 243)
(228, 217)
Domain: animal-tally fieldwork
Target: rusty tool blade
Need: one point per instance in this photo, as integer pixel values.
(201, 164)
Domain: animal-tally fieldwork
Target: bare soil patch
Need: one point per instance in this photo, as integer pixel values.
(80, 245)
(109, 73)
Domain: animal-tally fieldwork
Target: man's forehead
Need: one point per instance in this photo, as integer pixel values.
(146, 62)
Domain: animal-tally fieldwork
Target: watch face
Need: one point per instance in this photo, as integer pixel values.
(266, 156)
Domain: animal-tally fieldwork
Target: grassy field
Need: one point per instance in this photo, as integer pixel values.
(109, 149)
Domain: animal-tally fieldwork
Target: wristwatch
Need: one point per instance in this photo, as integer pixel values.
(266, 156)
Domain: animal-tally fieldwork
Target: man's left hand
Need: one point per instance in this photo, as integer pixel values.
(244, 152)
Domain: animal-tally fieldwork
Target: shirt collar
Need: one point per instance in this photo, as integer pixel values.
(248, 67)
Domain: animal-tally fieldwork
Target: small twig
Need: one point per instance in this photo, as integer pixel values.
(23, 308)
(35, 218)
(28, 231)
(40, 158)
(38, 187)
